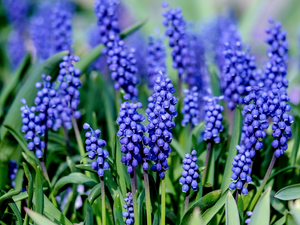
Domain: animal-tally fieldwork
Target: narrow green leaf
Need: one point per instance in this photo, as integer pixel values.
(240, 205)
(295, 149)
(281, 221)
(9, 195)
(16, 211)
(133, 28)
(95, 193)
(86, 167)
(39, 195)
(195, 133)
(118, 211)
(89, 220)
(140, 205)
(211, 212)
(290, 220)
(23, 195)
(232, 214)
(235, 137)
(29, 189)
(27, 91)
(282, 171)
(120, 167)
(261, 212)
(73, 178)
(38, 218)
(289, 193)
(196, 219)
(214, 80)
(177, 147)
(203, 203)
(112, 186)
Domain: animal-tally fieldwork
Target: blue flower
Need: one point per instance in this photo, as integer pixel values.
(16, 48)
(213, 119)
(12, 171)
(190, 173)
(129, 213)
(190, 110)
(16, 11)
(249, 214)
(95, 145)
(161, 111)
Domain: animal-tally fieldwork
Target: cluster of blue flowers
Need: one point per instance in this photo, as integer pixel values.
(131, 132)
(120, 59)
(161, 110)
(156, 59)
(67, 91)
(32, 129)
(190, 110)
(190, 174)
(237, 73)
(95, 145)
(16, 11)
(12, 171)
(176, 31)
(16, 47)
(129, 214)
(276, 68)
(213, 120)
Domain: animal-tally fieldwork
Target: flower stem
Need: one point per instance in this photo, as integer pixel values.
(261, 188)
(209, 147)
(133, 189)
(117, 100)
(67, 140)
(187, 200)
(163, 202)
(103, 201)
(148, 199)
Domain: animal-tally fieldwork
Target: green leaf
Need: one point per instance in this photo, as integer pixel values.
(261, 212)
(281, 221)
(203, 203)
(118, 211)
(196, 219)
(133, 28)
(120, 167)
(290, 220)
(214, 80)
(86, 167)
(140, 205)
(195, 134)
(38, 218)
(211, 212)
(295, 149)
(74, 178)
(295, 210)
(9, 195)
(89, 220)
(177, 147)
(240, 205)
(232, 214)
(95, 193)
(235, 137)
(9, 87)
(39, 194)
(112, 186)
(27, 91)
(282, 171)
(289, 193)
(16, 211)
(29, 189)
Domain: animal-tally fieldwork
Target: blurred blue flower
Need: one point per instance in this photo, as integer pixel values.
(129, 213)
(16, 48)
(12, 171)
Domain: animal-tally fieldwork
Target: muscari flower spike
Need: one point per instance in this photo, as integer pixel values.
(161, 111)
(156, 59)
(12, 171)
(190, 110)
(213, 119)
(16, 11)
(276, 68)
(16, 48)
(95, 145)
(131, 132)
(32, 129)
(190, 174)
(128, 214)
(68, 93)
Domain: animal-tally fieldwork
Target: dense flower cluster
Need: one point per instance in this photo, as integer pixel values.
(276, 68)
(95, 145)
(237, 73)
(161, 110)
(282, 121)
(176, 31)
(16, 47)
(32, 129)
(120, 59)
(131, 132)
(190, 174)
(129, 214)
(16, 11)
(190, 108)
(156, 59)
(68, 93)
(12, 171)
(213, 119)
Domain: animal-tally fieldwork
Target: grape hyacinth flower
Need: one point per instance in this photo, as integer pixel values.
(16, 48)
(249, 214)
(276, 68)
(213, 119)
(156, 59)
(131, 132)
(68, 92)
(190, 174)
(95, 145)
(32, 129)
(128, 214)
(16, 11)
(12, 171)
(190, 108)
(161, 110)
(176, 31)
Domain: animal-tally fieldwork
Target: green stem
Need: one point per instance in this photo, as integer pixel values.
(133, 189)
(261, 188)
(163, 202)
(187, 200)
(148, 199)
(67, 140)
(117, 100)
(103, 201)
(209, 147)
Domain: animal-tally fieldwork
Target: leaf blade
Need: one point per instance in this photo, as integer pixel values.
(289, 193)
(232, 214)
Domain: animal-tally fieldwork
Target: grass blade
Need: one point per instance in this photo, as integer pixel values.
(232, 214)
(38, 218)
